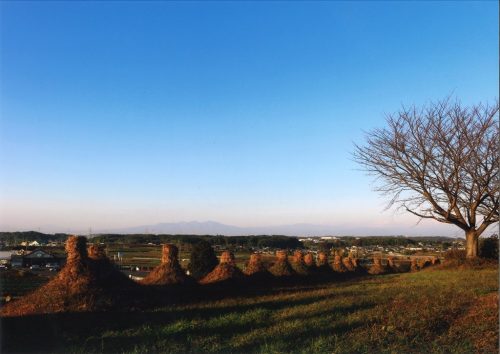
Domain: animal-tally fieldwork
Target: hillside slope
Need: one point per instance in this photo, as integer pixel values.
(431, 311)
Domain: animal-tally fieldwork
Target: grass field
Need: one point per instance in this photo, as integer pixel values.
(437, 311)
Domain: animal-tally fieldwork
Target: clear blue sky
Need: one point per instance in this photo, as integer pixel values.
(128, 113)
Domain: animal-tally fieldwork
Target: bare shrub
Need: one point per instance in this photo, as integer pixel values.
(455, 255)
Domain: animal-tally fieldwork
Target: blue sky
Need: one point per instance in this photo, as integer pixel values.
(119, 114)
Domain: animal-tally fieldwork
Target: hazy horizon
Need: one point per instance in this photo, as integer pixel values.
(122, 114)
(211, 227)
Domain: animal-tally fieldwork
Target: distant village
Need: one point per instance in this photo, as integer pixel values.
(45, 252)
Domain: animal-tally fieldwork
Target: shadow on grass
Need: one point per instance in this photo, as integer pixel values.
(195, 338)
(53, 332)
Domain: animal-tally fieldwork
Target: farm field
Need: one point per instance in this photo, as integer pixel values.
(149, 256)
(435, 310)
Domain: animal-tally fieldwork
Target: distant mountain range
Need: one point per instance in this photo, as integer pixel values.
(215, 228)
(302, 229)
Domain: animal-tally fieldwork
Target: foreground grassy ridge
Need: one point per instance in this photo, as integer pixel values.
(430, 311)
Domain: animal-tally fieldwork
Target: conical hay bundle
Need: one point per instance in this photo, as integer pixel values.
(391, 264)
(298, 264)
(83, 284)
(298, 256)
(414, 265)
(334, 252)
(424, 263)
(338, 265)
(101, 267)
(76, 256)
(435, 261)
(169, 272)
(169, 254)
(255, 265)
(227, 257)
(322, 259)
(96, 252)
(76, 249)
(357, 267)
(309, 260)
(281, 267)
(377, 267)
(281, 255)
(225, 270)
(347, 262)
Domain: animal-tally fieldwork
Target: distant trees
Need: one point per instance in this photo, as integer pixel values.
(439, 162)
(13, 238)
(202, 259)
(272, 241)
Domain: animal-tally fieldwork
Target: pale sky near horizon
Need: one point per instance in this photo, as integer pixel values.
(117, 114)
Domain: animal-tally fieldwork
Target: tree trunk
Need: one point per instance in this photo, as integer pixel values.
(472, 244)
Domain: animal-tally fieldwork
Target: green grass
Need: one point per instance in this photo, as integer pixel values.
(438, 311)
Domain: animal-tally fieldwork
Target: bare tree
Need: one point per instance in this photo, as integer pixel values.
(439, 162)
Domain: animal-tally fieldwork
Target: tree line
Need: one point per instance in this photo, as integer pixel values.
(256, 241)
